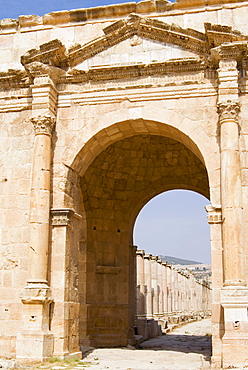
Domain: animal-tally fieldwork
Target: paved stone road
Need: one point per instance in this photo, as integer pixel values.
(186, 348)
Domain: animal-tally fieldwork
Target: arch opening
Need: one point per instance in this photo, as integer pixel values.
(114, 184)
(174, 223)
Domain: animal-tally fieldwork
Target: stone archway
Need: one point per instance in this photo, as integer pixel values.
(114, 186)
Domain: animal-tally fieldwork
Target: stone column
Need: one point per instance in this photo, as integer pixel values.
(160, 288)
(35, 342)
(215, 223)
(148, 283)
(164, 288)
(234, 294)
(141, 295)
(155, 286)
(169, 289)
(231, 193)
(227, 57)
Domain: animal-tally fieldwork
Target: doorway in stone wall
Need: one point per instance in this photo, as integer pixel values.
(118, 180)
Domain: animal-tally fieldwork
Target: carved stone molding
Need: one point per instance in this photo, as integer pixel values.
(230, 51)
(52, 52)
(41, 70)
(43, 125)
(14, 78)
(228, 110)
(139, 27)
(61, 217)
(214, 214)
(36, 293)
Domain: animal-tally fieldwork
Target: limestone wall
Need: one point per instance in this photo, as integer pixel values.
(137, 104)
(167, 297)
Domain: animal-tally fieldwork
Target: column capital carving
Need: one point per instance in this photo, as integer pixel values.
(214, 214)
(43, 125)
(229, 51)
(62, 217)
(36, 293)
(39, 72)
(228, 110)
(147, 256)
(140, 252)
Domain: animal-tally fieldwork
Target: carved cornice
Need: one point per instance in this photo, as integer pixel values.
(62, 217)
(229, 110)
(214, 214)
(52, 52)
(217, 34)
(43, 125)
(230, 51)
(174, 66)
(14, 78)
(52, 59)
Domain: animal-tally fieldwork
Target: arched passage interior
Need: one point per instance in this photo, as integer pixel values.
(115, 184)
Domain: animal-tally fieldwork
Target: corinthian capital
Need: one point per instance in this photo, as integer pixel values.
(43, 124)
(229, 110)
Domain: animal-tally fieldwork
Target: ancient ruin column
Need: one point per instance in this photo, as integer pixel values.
(231, 193)
(40, 200)
(148, 283)
(141, 320)
(217, 317)
(234, 294)
(164, 288)
(35, 342)
(155, 286)
(160, 288)
(227, 57)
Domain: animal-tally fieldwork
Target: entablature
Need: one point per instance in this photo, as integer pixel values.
(199, 65)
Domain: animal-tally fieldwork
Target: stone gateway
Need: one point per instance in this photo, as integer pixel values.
(101, 109)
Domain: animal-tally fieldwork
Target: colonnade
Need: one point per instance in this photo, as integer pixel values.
(167, 296)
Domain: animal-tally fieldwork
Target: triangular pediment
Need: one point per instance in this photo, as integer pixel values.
(135, 39)
(128, 34)
(136, 50)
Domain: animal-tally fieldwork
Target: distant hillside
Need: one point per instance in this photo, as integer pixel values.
(178, 261)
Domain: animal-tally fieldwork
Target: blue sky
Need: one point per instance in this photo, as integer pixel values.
(173, 223)
(14, 8)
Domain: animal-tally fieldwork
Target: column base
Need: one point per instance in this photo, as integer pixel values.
(216, 362)
(33, 347)
(142, 327)
(234, 300)
(35, 342)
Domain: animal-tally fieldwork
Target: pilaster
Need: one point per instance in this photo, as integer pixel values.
(65, 323)
(233, 294)
(35, 342)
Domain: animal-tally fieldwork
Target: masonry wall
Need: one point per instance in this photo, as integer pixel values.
(94, 113)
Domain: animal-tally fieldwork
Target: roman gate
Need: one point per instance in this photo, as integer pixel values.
(101, 110)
